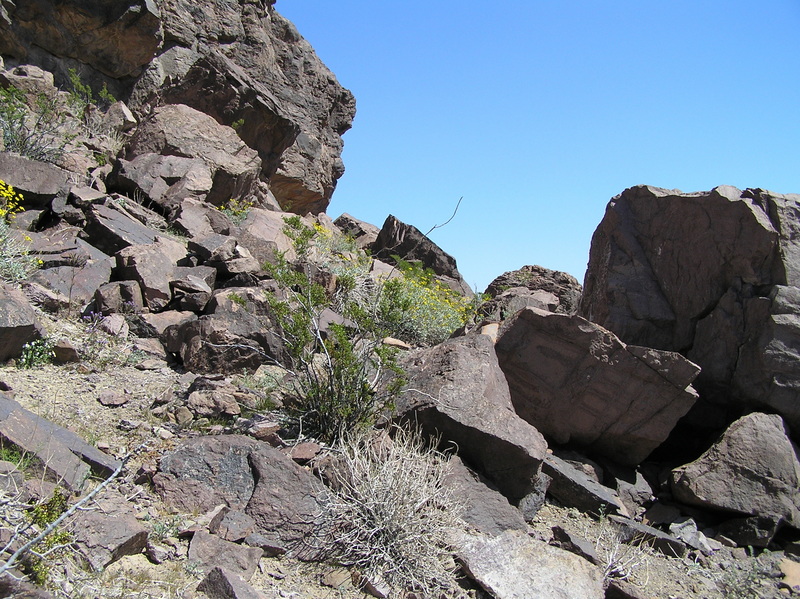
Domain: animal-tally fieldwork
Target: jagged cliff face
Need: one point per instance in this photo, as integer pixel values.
(238, 61)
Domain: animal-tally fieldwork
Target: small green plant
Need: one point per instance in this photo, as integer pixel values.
(16, 262)
(38, 562)
(11, 453)
(33, 128)
(36, 353)
(82, 94)
(238, 299)
(236, 210)
(237, 125)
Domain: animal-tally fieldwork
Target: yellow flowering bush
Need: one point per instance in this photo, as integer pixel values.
(16, 263)
(236, 210)
(420, 309)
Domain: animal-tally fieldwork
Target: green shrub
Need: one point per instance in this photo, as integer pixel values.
(16, 262)
(81, 94)
(334, 387)
(421, 310)
(36, 131)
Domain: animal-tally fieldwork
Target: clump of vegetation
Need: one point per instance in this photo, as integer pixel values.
(82, 94)
(34, 128)
(38, 563)
(36, 353)
(236, 210)
(16, 261)
(335, 370)
(388, 514)
(420, 309)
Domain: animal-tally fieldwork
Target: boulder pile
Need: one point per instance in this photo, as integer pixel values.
(662, 397)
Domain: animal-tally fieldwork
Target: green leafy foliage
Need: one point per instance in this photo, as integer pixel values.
(16, 262)
(236, 210)
(35, 127)
(36, 353)
(82, 94)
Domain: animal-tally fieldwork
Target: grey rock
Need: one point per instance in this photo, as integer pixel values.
(574, 544)
(753, 531)
(78, 284)
(534, 286)
(231, 525)
(38, 182)
(633, 532)
(219, 583)
(514, 565)
(574, 488)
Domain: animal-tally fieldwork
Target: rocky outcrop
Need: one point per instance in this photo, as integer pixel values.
(623, 401)
(397, 239)
(712, 275)
(531, 286)
(753, 469)
(239, 63)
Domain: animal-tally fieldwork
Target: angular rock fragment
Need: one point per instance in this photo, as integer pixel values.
(574, 488)
(18, 322)
(208, 552)
(514, 565)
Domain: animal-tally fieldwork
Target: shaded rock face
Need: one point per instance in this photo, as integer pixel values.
(238, 62)
(752, 469)
(712, 275)
(623, 401)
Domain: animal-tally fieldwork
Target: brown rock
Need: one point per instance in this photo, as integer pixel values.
(484, 508)
(76, 283)
(458, 392)
(208, 552)
(213, 403)
(574, 488)
(152, 265)
(752, 469)
(533, 286)
(38, 182)
(222, 584)
(105, 535)
(118, 296)
(284, 499)
(177, 129)
(112, 398)
(231, 525)
(623, 403)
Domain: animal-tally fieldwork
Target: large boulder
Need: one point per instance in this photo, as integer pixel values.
(179, 130)
(456, 391)
(712, 275)
(533, 286)
(117, 38)
(623, 401)
(753, 469)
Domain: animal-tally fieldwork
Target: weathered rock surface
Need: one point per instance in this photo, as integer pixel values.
(533, 286)
(208, 552)
(573, 488)
(484, 508)
(106, 534)
(457, 391)
(220, 583)
(753, 469)
(711, 275)
(515, 566)
(18, 322)
(623, 401)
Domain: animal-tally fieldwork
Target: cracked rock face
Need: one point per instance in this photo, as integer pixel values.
(712, 275)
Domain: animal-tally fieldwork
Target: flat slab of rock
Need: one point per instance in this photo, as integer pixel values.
(458, 392)
(62, 455)
(635, 532)
(753, 469)
(574, 488)
(208, 552)
(108, 533)
(622, 402)
(516, 566)
(222, 584)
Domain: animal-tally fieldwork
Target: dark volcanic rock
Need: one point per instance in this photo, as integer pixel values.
(533, 286)
(712, 275)
(753, 469)
(409, 243)
(458, 392)
(18, 322)
(622, 401)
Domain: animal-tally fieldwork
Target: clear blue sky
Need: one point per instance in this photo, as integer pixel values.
(538, 112)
